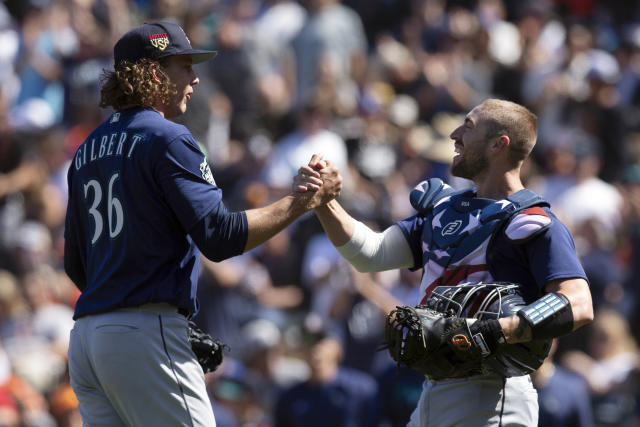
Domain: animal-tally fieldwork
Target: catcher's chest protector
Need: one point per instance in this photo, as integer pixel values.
(458, 232)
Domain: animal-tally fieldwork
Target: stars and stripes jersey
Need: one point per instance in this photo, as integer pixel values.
(137, 186)
(465, 238)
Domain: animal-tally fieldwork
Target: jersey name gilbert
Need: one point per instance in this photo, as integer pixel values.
(114, 144)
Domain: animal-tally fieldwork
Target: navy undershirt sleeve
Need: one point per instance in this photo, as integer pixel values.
(221, 234)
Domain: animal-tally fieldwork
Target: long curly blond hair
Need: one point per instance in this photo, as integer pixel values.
(132, 84)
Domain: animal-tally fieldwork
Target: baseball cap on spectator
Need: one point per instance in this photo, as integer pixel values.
(157, 40)
(260, 335)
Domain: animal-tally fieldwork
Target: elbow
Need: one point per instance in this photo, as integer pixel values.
(583, 313)
(216, 255)
(220, 234)
(219, 248)
(589, 315)
(363, 265)
(586, 316)
(579, 296)
(362, 268)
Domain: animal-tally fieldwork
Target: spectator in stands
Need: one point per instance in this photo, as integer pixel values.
(563, 396)
(333, 395)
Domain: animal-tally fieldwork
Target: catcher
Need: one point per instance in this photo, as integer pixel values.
(500, 275)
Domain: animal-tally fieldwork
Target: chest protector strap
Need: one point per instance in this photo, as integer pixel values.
(460, 222)
(526, 218)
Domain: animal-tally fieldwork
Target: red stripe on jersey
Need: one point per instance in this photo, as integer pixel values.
(536, 210)
(453, 277)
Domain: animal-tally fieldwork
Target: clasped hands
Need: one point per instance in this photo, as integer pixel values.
(318, 182)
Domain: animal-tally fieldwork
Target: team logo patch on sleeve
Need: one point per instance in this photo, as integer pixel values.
(527, 223)
(206, 173)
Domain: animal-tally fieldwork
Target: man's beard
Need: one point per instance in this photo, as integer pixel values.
(470, 166)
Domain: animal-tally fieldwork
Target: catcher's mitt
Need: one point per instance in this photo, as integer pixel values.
(457, 333)
(207, 349)
(435, 344)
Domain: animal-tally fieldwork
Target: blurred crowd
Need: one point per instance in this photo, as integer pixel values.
(376, 86)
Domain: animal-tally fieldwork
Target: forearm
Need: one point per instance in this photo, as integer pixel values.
(577, 293)
(374, 292)
(312, 189)
(264, 223)
(18, 179)
(365, 249)
(515, 329)
(337, 223)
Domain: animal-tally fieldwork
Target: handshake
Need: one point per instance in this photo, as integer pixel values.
(317, 183)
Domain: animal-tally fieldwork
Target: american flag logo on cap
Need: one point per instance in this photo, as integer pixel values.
(159, 41)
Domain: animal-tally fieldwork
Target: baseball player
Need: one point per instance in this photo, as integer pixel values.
(143, 204)
(456, 238)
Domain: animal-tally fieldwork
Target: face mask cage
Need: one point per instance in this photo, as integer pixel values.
(472, 300)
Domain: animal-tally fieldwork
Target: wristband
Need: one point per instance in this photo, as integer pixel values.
(549, 316)
(491, 333)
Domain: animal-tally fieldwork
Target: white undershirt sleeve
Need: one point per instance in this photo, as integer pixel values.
(369, 251)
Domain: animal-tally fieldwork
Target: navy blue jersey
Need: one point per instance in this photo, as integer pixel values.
(137, 186)
(453, 245)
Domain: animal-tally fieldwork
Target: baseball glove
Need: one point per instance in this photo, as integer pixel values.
(207, 349)
(436, 344)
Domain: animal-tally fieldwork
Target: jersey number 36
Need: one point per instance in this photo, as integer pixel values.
(115, 214)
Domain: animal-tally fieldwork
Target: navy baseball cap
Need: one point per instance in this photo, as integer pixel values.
(157, 40)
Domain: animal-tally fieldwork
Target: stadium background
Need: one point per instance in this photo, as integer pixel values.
(376, 86)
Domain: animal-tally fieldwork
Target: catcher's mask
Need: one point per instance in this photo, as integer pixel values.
(480, 300)
(485, 301)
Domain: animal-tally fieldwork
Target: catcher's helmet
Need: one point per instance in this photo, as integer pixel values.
(491, 301)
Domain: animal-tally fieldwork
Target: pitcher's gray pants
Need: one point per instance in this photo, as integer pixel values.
(135, 367)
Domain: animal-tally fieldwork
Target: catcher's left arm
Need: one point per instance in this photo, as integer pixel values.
(565, 307)
(439, 345)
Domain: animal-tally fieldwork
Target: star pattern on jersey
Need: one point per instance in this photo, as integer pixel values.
(454, 253)
(503, 203)
(440, 253)
(474, 222)
(436, 220)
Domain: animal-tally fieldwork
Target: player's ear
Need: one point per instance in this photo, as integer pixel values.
(500, 143)
(156, 74)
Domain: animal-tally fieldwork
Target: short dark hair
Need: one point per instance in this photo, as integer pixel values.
(502, 117)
